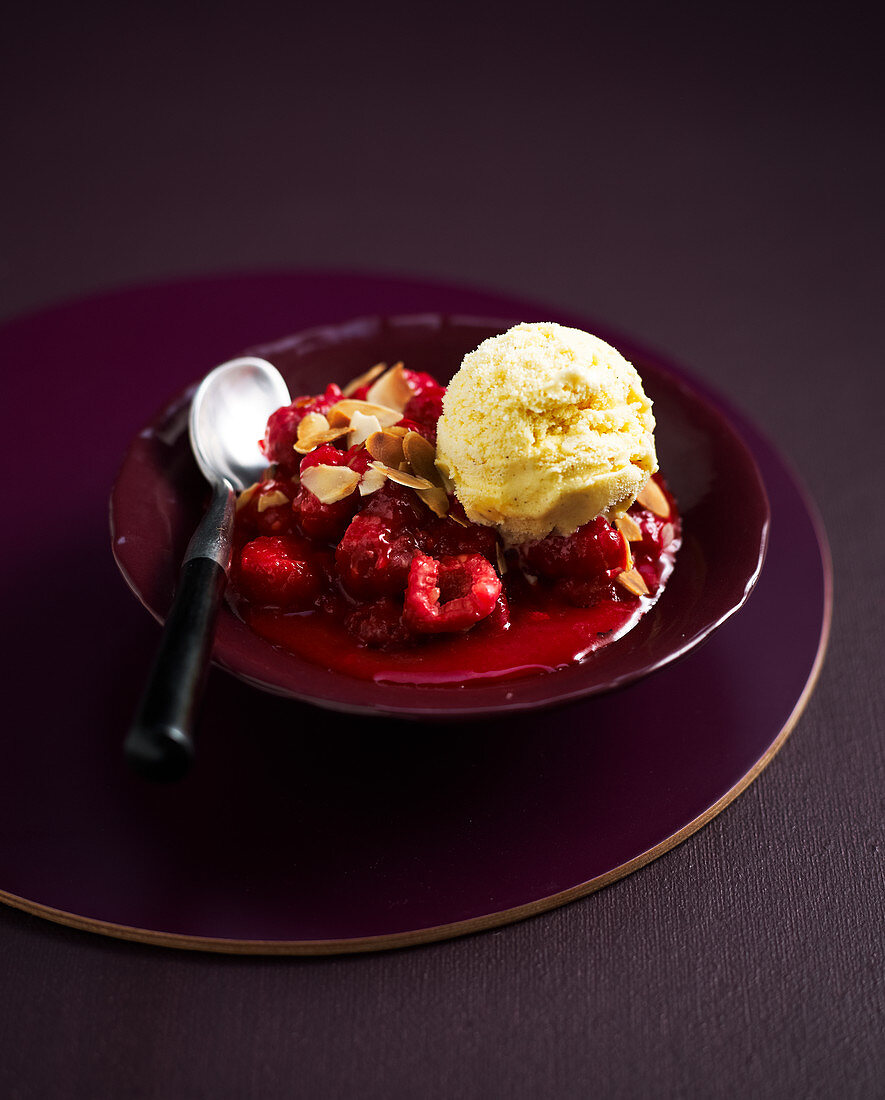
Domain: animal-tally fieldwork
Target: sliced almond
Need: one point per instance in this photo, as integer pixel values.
(633, 581)
(246, 495)
(398, 429)
(502, 560)
(361, 427)
(402, 477)
(312, 424)
(391, 389)
(364, 379)
(629, 528)
(371, 481)
(342, 411)
(436, 499)
(654, 498)
(420, 453)
(386, 447)
(330, 483)
(272, 500)
(306, 444)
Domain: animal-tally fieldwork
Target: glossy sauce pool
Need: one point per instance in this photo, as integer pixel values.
(544, 634)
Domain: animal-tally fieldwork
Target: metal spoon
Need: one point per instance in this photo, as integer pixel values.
(227, 418)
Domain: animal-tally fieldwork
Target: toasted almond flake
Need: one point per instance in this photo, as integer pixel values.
(458, 520)
(398, 429)
(502, 560)
(420, 453)
(391, 389)
(386, 447)
(403, 477)
(342, 411)
(668, 533)
(330, 483)
(653, 498)
(246, 495)
(272, 500)
(361, 427)
(312, 424)
(629, 528)
(306, 444)
(371, 481)
(436, 499)
(633, 581)
(365, 379)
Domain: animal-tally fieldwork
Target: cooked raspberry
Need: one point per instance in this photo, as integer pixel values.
(379, 624)
(596, 548)
(373, 560)
(447, 538)
(499, 619)
(325, 522)
(277, 519)
(398, 507)
(427, 430)
(450, 594)
(425, 408)
(656, 532)
(282, 426)
(358, 458)
(421, 382)
(327, 454)
(278, 571)
(587, 593)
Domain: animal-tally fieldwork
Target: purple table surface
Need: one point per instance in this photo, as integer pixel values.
(711, 188)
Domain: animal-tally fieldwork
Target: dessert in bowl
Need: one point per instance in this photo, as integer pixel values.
(408, 552)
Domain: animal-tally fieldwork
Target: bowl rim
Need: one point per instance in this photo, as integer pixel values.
(256, 662)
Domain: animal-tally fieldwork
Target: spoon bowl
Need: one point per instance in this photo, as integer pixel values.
(228, 414)
(227, 417)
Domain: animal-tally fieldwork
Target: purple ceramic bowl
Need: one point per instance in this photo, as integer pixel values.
(158, 496)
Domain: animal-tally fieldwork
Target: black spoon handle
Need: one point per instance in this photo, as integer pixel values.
(160, 744)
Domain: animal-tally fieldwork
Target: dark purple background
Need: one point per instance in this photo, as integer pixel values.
(711, 187)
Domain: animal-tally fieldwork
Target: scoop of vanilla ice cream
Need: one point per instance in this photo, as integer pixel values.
(543, 429)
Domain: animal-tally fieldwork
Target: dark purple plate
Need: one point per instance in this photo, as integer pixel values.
(159, 493)
(306, 831)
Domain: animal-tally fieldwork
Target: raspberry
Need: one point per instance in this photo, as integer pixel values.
(327, 454)
(427, 430)
(398, 507)
(282, 426)
(499, 618)
(422, 383)
(324, 522)
(596, 548)
(379, 624)
(275, 520)
(425, 408)
(449, 594)
(586, 593)
(373, 560)
(656, 532)
(358, 458)
(278, 571)
(446, 538)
